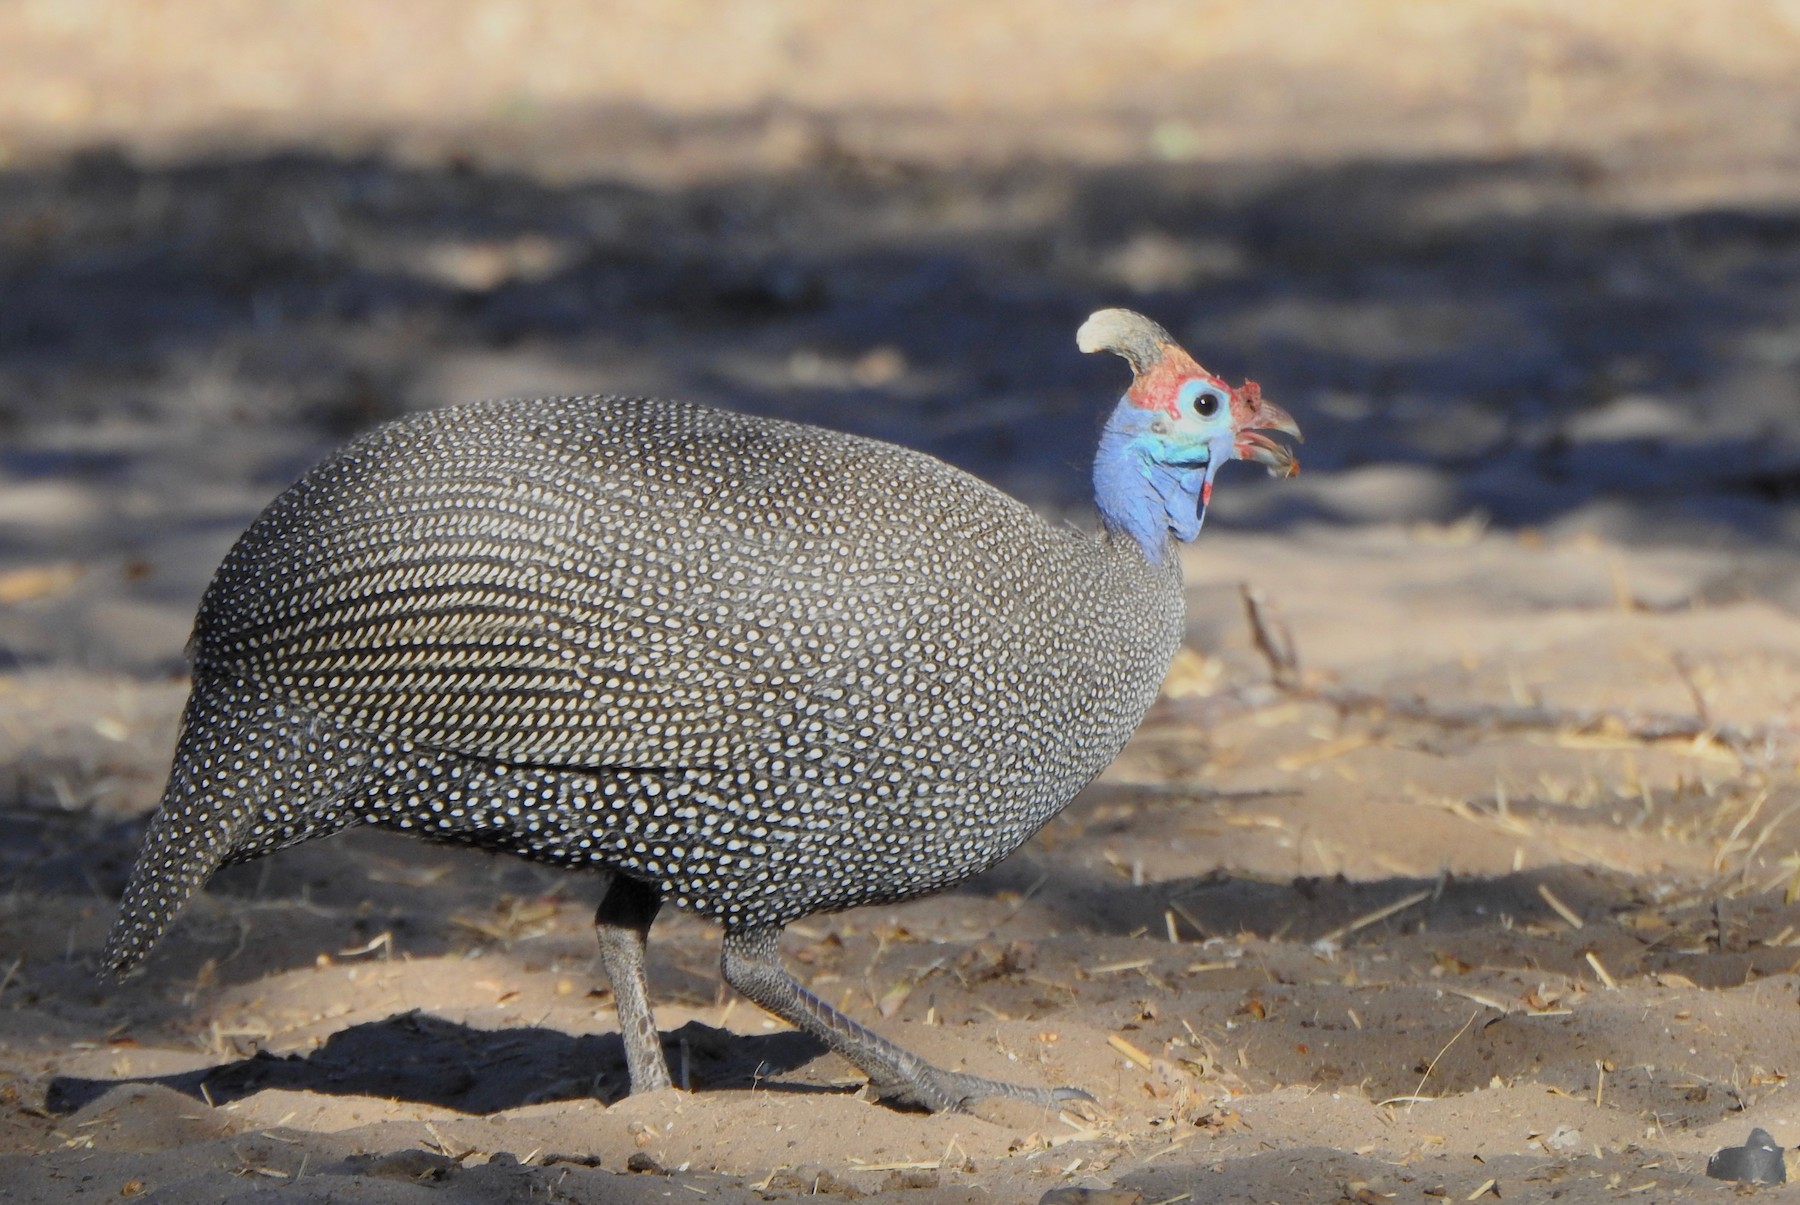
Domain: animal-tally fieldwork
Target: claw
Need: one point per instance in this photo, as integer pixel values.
(954, 1091)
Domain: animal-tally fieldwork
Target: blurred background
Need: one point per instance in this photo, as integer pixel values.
(1511, 262)
(1527, 272)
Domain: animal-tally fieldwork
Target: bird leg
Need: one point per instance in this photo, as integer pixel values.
(622, 922)
(752, 965)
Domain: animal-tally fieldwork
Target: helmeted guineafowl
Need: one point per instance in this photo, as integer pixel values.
(753, 668)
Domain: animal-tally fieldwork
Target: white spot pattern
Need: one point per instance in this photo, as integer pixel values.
(771, 669)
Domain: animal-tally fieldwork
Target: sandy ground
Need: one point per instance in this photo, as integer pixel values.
(1293, 946)
(1484, 895)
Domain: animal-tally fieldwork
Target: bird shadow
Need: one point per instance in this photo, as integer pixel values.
(424, 1059)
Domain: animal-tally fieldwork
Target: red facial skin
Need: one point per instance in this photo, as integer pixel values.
(1156, 389)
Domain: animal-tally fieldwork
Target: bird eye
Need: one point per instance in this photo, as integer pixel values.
(1205, 399)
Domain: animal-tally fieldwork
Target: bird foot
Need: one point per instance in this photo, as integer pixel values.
(939, 1091)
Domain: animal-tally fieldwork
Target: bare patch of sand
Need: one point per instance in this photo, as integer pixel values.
(1278, 941)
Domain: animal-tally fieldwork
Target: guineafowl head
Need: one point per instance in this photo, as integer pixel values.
(1173, 428)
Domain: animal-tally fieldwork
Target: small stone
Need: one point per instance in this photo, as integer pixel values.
(577, 1160)
(1563, 1139)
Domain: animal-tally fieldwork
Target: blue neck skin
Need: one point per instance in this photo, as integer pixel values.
(1150, 485)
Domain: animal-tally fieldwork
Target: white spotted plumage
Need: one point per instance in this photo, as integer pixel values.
(770, 669)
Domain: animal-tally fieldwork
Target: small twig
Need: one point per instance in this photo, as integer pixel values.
(11, 971)
(1130, 1051)
(1563, 910)
(1370, 918)
(1418, 1093)
(1272, 638)
(1113, 968)
(383, 941)
(1180, 910)
(1686, 672)
(1582, 721)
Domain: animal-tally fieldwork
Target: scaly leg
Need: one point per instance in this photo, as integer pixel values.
(752, 965)
(622, 922)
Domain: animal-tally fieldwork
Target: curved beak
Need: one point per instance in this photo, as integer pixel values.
(1256, 415)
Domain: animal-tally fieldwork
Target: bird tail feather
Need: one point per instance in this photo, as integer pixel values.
(249, 776)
